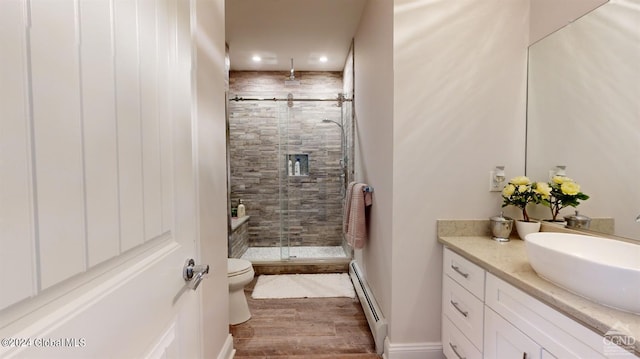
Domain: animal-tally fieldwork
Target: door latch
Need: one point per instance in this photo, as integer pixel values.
(194, 274)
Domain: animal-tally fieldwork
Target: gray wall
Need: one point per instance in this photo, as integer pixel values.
(260, 137)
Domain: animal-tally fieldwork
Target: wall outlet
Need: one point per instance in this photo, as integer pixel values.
(494, 185)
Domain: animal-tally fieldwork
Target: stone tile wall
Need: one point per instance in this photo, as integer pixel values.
(239, 240)
(263, 133)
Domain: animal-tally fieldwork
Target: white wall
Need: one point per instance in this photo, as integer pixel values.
(459, 76)
(373, 106)
(548, 16)
(459, 109)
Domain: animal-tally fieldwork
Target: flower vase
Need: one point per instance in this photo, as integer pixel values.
(523, 228)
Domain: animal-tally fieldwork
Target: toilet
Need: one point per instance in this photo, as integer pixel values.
(240, 273)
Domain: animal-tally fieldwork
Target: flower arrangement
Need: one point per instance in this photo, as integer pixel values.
(520, 191)
(564, 193)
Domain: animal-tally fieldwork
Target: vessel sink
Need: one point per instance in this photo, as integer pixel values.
(605, 271)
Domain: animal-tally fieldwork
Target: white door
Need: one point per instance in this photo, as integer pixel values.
(98, 208)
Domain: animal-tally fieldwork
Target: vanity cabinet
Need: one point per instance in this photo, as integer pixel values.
(483, 316)
(455, 344)
(503, 340)
(556, 335)
(462, 307)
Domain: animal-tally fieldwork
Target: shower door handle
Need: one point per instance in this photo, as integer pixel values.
(194, 274)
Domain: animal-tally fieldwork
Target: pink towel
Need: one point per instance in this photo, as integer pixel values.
(355, 222)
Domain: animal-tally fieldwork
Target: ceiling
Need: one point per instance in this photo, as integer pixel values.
(281, 30)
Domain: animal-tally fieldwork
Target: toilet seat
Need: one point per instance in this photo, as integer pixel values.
(236, 267)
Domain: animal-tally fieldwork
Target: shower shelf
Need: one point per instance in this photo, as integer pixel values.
(303, 159)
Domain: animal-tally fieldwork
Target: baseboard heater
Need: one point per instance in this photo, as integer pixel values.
(377, 323)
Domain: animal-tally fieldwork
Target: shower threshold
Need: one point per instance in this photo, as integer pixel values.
(273, 253)
(302, 260)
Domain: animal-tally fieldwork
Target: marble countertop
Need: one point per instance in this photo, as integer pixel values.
(508, 261)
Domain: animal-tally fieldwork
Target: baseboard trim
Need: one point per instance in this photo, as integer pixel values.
(227, 351)
(412, 350)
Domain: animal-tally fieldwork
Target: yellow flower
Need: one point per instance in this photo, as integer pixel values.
(543, 189)
(561, 179)
(508, 190)
(570, 188)
(523, 188)
(520, 180)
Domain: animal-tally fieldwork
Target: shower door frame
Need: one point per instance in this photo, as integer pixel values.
(283, 108)
(287, 116)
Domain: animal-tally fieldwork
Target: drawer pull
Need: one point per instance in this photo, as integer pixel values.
(455, 305)
(455, 350)
(457, 269)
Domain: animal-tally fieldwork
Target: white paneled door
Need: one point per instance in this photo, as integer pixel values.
(98, 193)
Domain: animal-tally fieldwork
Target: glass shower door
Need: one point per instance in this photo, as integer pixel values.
(284, 172)
(313, 170)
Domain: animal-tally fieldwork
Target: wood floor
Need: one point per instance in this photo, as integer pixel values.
(309, 328)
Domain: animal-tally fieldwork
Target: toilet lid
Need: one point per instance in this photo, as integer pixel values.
(237, 266)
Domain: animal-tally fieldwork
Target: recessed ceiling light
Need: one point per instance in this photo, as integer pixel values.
(256, 58)
(323, 59)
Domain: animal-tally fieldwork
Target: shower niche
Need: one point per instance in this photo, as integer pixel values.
(297, 164)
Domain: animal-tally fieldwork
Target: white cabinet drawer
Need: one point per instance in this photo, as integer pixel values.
(455, 345)
(464, 310)
(464, 272)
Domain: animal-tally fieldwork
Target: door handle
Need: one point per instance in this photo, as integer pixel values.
(194, 274)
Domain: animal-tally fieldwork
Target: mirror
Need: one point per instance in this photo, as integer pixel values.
(583, 112)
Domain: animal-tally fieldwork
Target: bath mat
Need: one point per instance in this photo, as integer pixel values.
(303, 286)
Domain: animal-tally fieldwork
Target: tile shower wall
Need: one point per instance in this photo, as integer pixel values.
(259, 142)
(238, 242)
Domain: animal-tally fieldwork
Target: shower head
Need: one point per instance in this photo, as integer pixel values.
(326, 120)
(291, 80)
(292, 74)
